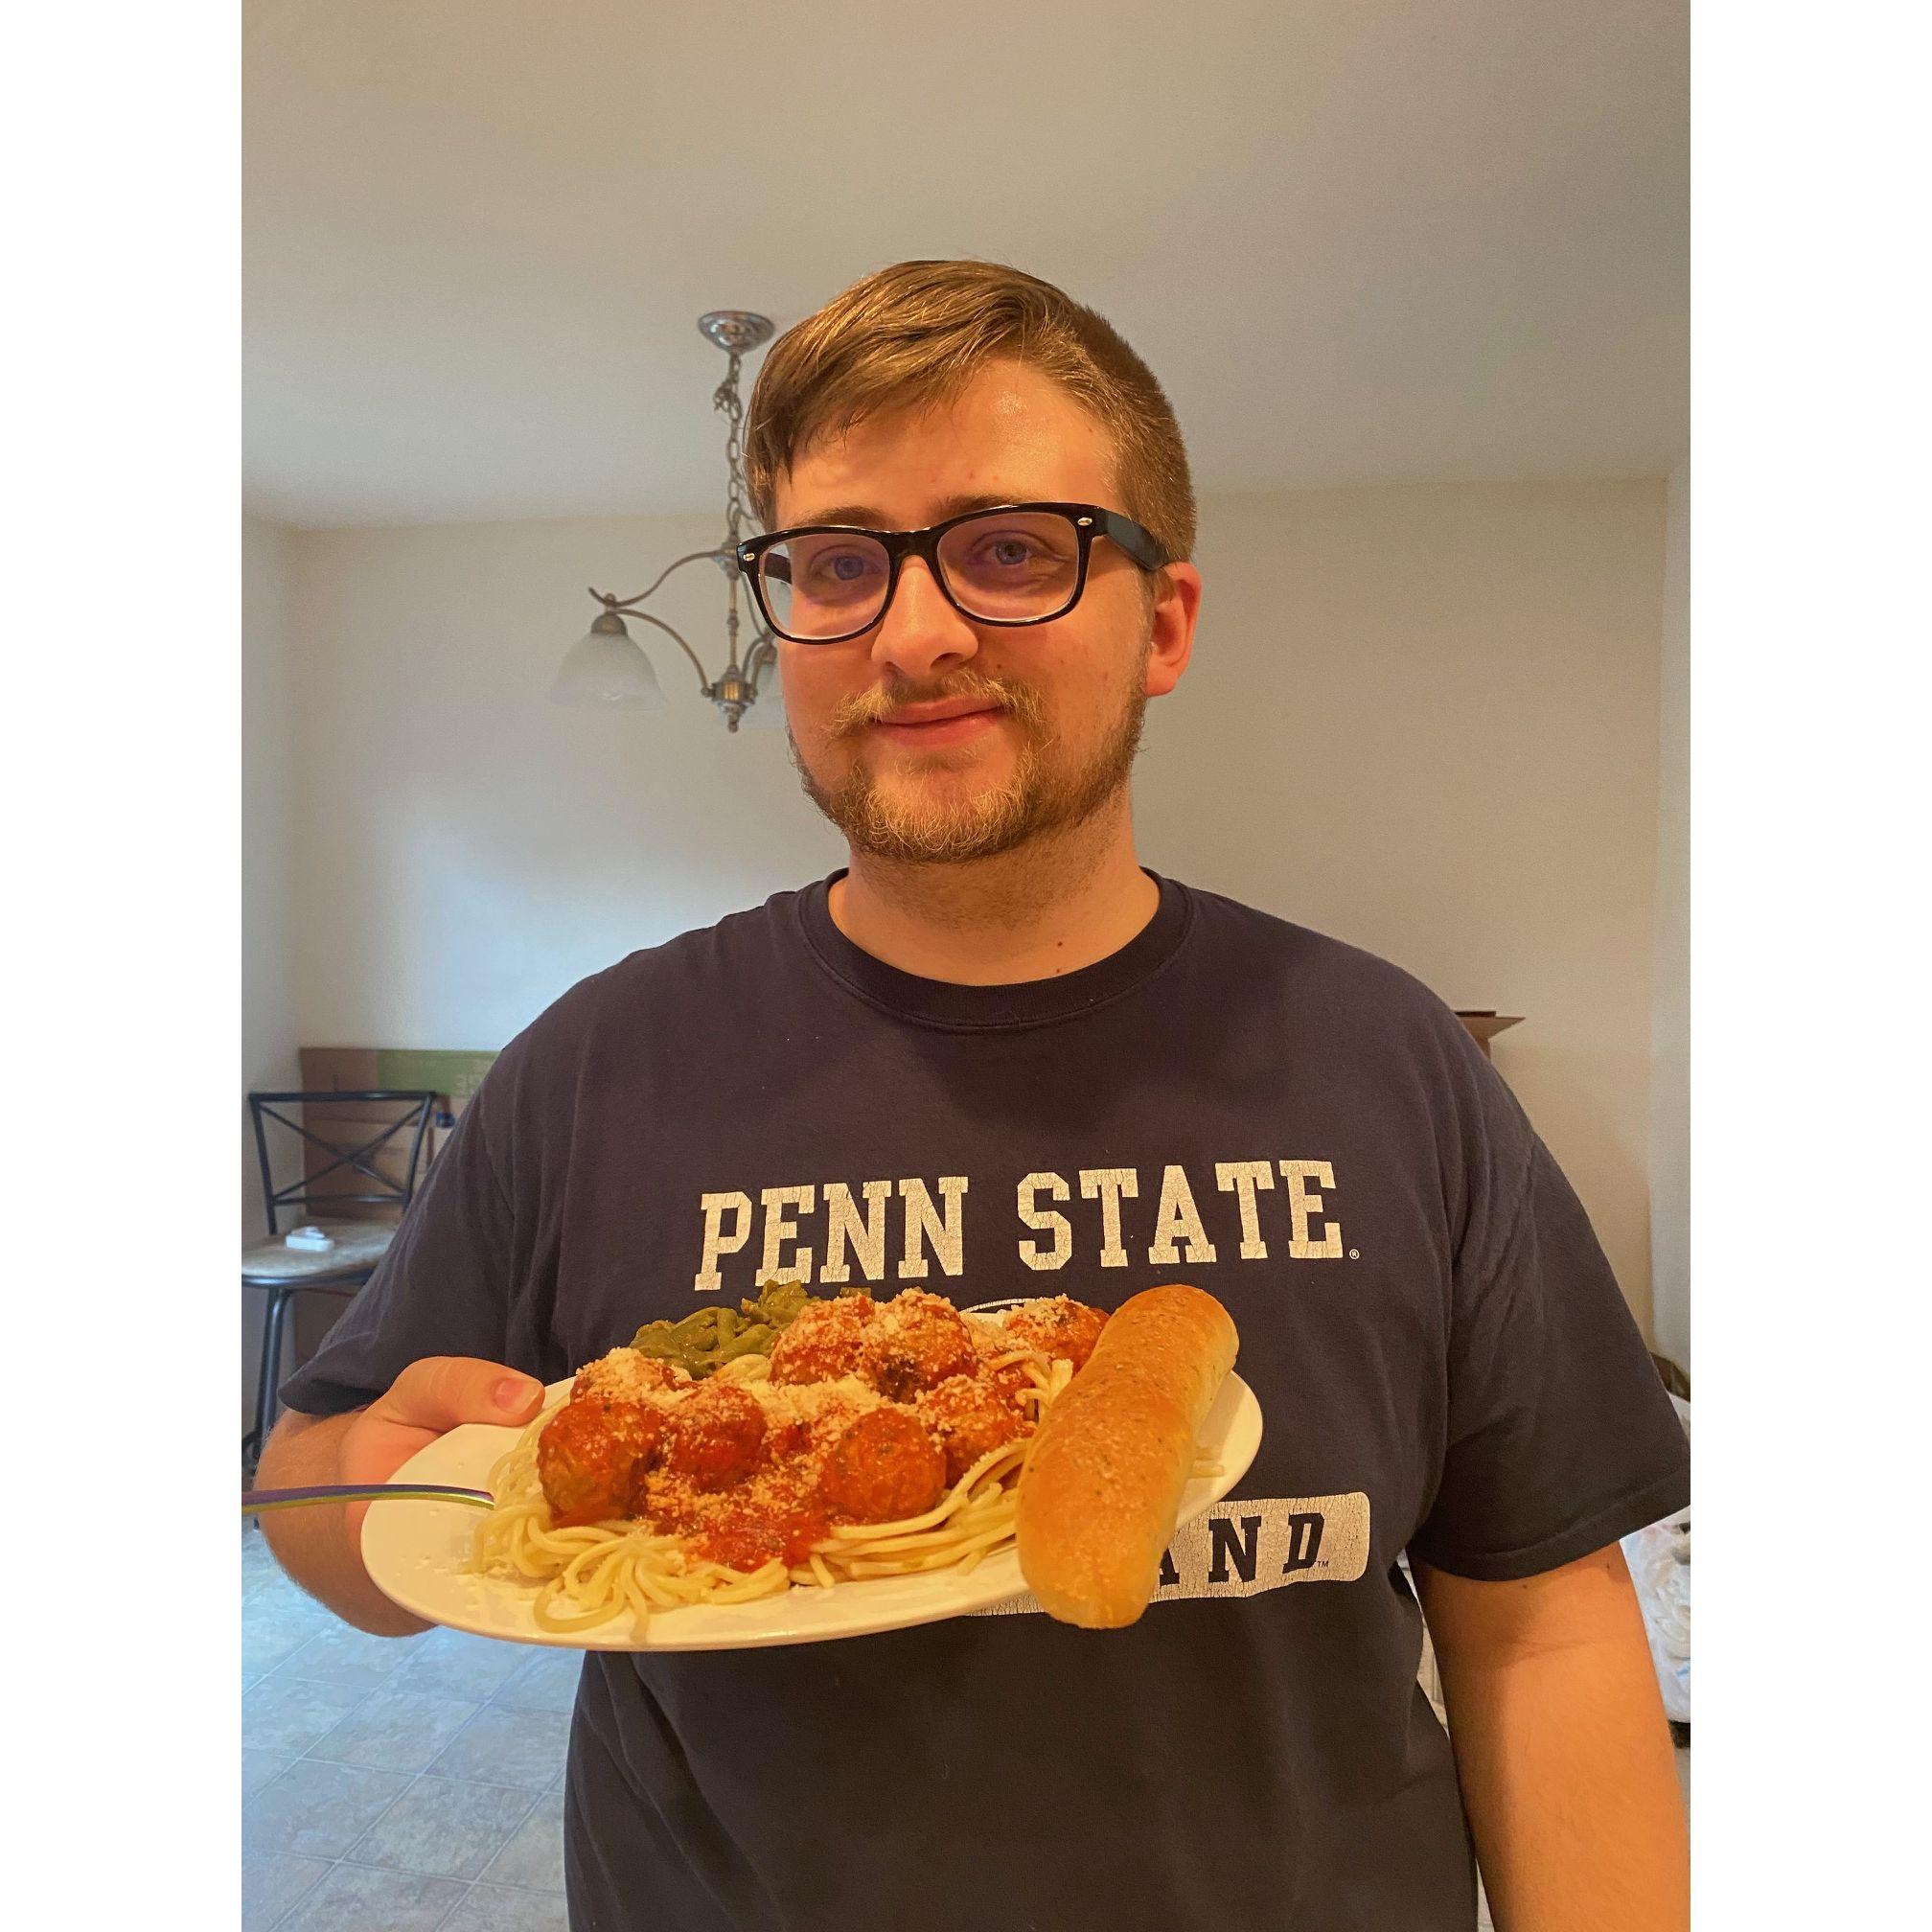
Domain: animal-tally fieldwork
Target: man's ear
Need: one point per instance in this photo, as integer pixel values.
(1171, 641)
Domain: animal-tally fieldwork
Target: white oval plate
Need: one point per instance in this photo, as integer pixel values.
(418, 1552)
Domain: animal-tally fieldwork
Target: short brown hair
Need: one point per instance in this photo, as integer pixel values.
(916, 332)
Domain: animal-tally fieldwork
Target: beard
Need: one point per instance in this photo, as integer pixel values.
(1045, 796)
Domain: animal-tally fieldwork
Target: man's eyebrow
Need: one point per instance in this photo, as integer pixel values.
(865, 517)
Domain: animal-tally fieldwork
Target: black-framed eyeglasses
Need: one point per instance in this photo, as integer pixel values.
(1014, 563)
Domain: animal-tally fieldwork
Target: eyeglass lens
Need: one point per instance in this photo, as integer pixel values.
(1007, 566)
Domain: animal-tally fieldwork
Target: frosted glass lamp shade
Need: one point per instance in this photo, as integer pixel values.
(607, 667)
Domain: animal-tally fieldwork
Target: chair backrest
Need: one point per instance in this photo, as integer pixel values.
(385, 1163)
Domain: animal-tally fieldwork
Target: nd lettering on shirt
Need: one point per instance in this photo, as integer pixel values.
(1241, 1547)
(1443, 1362)
(896, 1230)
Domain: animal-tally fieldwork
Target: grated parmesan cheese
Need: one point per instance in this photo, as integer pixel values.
(811, 1401)
(908, 1309)
(628, 1375)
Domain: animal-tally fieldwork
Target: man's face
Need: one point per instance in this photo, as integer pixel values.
(931, 739)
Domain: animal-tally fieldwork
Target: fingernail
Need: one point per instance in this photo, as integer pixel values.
(514, 1392)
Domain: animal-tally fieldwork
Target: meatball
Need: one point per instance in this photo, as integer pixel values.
(824, 1341)
(917, 1342)
(970, 1416)
(593, 1457)
(627, 1376)
(883, 1468)
(1059, 1327)
(716, 1435)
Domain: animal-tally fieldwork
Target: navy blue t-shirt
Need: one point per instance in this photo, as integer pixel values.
(1443, 1360)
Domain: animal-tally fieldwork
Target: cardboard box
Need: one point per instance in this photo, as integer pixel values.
(454, 1075)
(1485, 1026)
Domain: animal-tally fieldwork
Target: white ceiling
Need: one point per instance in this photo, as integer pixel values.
(1359, 241)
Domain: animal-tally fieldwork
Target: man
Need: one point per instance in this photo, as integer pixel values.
(994, 1057)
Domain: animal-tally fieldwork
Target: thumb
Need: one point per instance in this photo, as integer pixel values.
(442, 1390)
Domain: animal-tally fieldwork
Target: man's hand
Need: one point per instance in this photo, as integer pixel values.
(322, 1547)
(1562, 1749)
(428, 1399)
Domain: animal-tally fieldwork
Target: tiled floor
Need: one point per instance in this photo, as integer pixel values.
(394, 1784)
(404, 1784)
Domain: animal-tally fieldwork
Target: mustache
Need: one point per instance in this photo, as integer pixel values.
(869, 707)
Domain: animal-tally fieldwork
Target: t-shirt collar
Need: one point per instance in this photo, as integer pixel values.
(1028, 1002)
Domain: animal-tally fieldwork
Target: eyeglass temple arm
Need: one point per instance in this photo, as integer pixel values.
(762, 658)
(1126, 535)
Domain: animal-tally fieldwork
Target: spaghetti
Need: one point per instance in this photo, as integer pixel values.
(687, 1538)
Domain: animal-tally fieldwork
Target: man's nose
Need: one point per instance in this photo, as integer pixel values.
(921, 633)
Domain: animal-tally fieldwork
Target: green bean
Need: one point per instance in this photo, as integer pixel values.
(703, 1341)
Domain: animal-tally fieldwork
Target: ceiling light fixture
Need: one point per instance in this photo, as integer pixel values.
(607, 666)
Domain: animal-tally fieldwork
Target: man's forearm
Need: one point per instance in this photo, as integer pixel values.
(1563, 1753)
(320, 1546)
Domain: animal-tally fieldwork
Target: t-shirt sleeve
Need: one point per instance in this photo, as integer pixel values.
(1561, 1437)
(443, 1288)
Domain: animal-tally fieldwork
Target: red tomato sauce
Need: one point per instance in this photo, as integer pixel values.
(747, 1538)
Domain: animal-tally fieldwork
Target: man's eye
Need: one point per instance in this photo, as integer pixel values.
(846, 566)
(1006, 553)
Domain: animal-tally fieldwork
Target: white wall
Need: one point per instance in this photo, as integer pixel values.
(468, 849)
(1424, 719)
(1670, 1019)
(268, 870)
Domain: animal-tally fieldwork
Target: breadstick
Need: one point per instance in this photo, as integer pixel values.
(1102, 1487)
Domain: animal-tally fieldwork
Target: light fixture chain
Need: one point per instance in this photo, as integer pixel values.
(736, 689)
(726, 400)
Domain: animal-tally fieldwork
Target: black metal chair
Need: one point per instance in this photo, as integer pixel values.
(282, 1272)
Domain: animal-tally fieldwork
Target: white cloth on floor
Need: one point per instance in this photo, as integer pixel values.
(1659, 1557)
